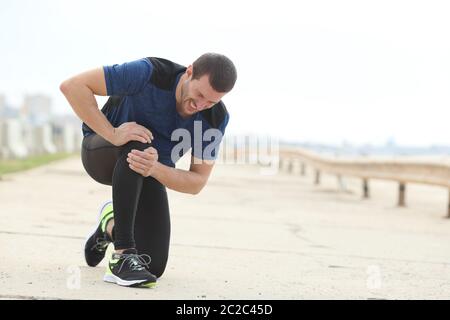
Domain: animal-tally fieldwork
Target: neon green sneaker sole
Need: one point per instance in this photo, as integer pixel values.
(148, 285)
(106, 214)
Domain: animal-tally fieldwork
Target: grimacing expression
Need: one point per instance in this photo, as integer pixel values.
(198, 95)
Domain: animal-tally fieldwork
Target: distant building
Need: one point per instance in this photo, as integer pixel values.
(2, 103)
(6, 112)
(36, 109)
(66, 131)
(34, 129)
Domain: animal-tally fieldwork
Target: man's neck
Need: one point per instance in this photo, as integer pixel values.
(178, 96)
(178, 89)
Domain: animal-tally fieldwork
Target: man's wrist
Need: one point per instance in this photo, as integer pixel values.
(156, 172)
(111, 133)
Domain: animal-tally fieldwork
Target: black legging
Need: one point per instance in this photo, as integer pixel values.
(141, 208)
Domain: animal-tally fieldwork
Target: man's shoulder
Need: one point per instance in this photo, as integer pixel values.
(164, 73)
(216, 116)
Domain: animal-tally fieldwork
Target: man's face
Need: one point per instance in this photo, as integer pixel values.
(198, 95)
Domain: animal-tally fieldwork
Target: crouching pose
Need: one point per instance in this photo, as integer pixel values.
(157, 110)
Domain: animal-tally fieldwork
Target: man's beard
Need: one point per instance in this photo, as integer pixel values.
(186, 100)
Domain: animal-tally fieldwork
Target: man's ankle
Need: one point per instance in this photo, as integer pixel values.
(110, 229)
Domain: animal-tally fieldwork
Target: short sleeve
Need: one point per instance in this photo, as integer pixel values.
(128, 78)
(208, 148)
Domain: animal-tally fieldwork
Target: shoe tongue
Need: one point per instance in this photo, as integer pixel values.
(130, 251)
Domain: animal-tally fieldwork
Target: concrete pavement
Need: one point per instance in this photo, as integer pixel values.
(246, 236)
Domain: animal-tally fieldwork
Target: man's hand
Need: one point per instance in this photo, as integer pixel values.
(143, 162)
(130, 131)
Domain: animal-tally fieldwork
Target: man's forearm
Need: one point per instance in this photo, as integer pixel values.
(84, 104)
(179, 180)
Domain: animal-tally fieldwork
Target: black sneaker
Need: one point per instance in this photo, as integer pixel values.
(129, 269)
(97, 242)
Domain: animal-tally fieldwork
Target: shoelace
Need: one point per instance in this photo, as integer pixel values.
(137, 262)
(101, 244)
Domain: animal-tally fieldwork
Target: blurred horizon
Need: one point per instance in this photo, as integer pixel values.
(344, 147)
(321, 73)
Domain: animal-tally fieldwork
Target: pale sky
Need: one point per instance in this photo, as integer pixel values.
(317, 71)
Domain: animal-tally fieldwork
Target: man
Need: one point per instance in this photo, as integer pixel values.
(131, 144)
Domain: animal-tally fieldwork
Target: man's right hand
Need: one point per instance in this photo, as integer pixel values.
(129, 131)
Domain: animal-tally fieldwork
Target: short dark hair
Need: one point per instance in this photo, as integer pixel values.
(221, 70)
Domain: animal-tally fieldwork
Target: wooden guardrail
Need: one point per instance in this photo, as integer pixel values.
(402, 171)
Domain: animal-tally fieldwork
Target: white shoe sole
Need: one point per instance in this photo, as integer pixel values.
(114, 279)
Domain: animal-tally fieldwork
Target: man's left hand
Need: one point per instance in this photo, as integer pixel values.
(143, 162)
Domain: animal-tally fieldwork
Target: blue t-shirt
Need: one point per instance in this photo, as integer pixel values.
(144, 91)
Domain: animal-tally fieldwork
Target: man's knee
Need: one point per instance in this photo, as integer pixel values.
(126, 148)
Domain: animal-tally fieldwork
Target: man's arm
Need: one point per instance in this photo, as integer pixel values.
(192, 181)
(79, 92)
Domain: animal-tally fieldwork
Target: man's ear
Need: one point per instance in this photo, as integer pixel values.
(189, 70)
